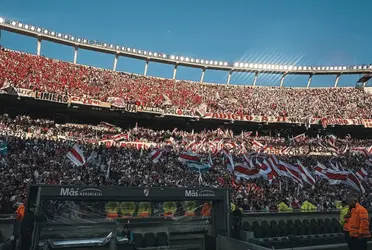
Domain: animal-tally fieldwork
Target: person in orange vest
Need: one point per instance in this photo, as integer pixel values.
(206, 210)
(358, 224)
(20, 211)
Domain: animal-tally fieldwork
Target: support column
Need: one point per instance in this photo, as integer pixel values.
(75, 54)
(175, 71)
(282, 80)
(146, 66)
(309, 81)
(38, 50)
(202, 75)
(115, 62)
(255, 79)
(229, 77)
(337, 79)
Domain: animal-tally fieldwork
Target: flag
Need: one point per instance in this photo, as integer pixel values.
(108, 169)
(305, 174)
(155, 155)
(3, 148)
(198, 166)
(189, 157)
(202, 109)
(362, 174)
(166, 101)
(76, 156)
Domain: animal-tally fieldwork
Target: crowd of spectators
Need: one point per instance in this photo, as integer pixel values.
(50, 75)
(36, 153)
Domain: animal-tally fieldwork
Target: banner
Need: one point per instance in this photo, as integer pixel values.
(51, 97)
(122, 144)
(89, 102)
(115, 103)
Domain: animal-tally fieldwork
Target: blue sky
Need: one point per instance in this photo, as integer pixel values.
(305, 32)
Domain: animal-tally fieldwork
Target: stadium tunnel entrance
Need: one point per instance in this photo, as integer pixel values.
(71, 217)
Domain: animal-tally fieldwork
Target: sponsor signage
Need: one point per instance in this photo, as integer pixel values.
(80, 192)
(199, 193)
(51, 97)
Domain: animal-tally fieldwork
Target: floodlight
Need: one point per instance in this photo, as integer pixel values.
(164, 56)
(192, 60)
(225, 64)
(354, 67)
(139, 51)
(150, 53)
(45, 32)
(181, 58)
(129, 49)
(360, 67)
(145, 52)
(2, 20)
(187, 59)
(72, 38)
(53, 33)
(285, 67)
(172, 57)
(300, 68)
(290, 67)
(14, 23)
(66, 36)
(241, 65)
(370, 66)
(111, 46)
(215, 63)
(197, 60)
(104, 45)
(26, 27)
(236, 64)
(85, 41)
(281, 67)
(20, 25)
(254, 65)
(294, 68)
(155, 54)
(177, 58)
(211, 62)
(202, 61)
(134, 50)
(245, 65)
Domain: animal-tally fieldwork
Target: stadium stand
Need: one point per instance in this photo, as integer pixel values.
(34, 151)
(49, 75)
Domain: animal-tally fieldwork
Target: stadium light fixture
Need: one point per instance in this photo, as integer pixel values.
(150, 53)
(20, 25)
(2, 20)
(38, 30)
(129, 49)
(26, 27)
(225, 64)
(360, 67)
(134, 50)
(32, 28)
(236, 64)
(145, 52)
(201, 61)
(172, 57)
(46, 32)
(187, 59)
(53, 33)
(181, 58)
(155, 54)
(139, 51)
(14, 23)
(164, 56)
(241, 65)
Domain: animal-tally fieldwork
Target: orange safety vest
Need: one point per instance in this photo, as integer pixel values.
(359, 222)
(20, 212)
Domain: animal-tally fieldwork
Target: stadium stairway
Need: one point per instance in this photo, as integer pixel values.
(290, 234)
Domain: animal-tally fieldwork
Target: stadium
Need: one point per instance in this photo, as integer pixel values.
(93, 158)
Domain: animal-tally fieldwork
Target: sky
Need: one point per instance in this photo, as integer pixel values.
(302, 32)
